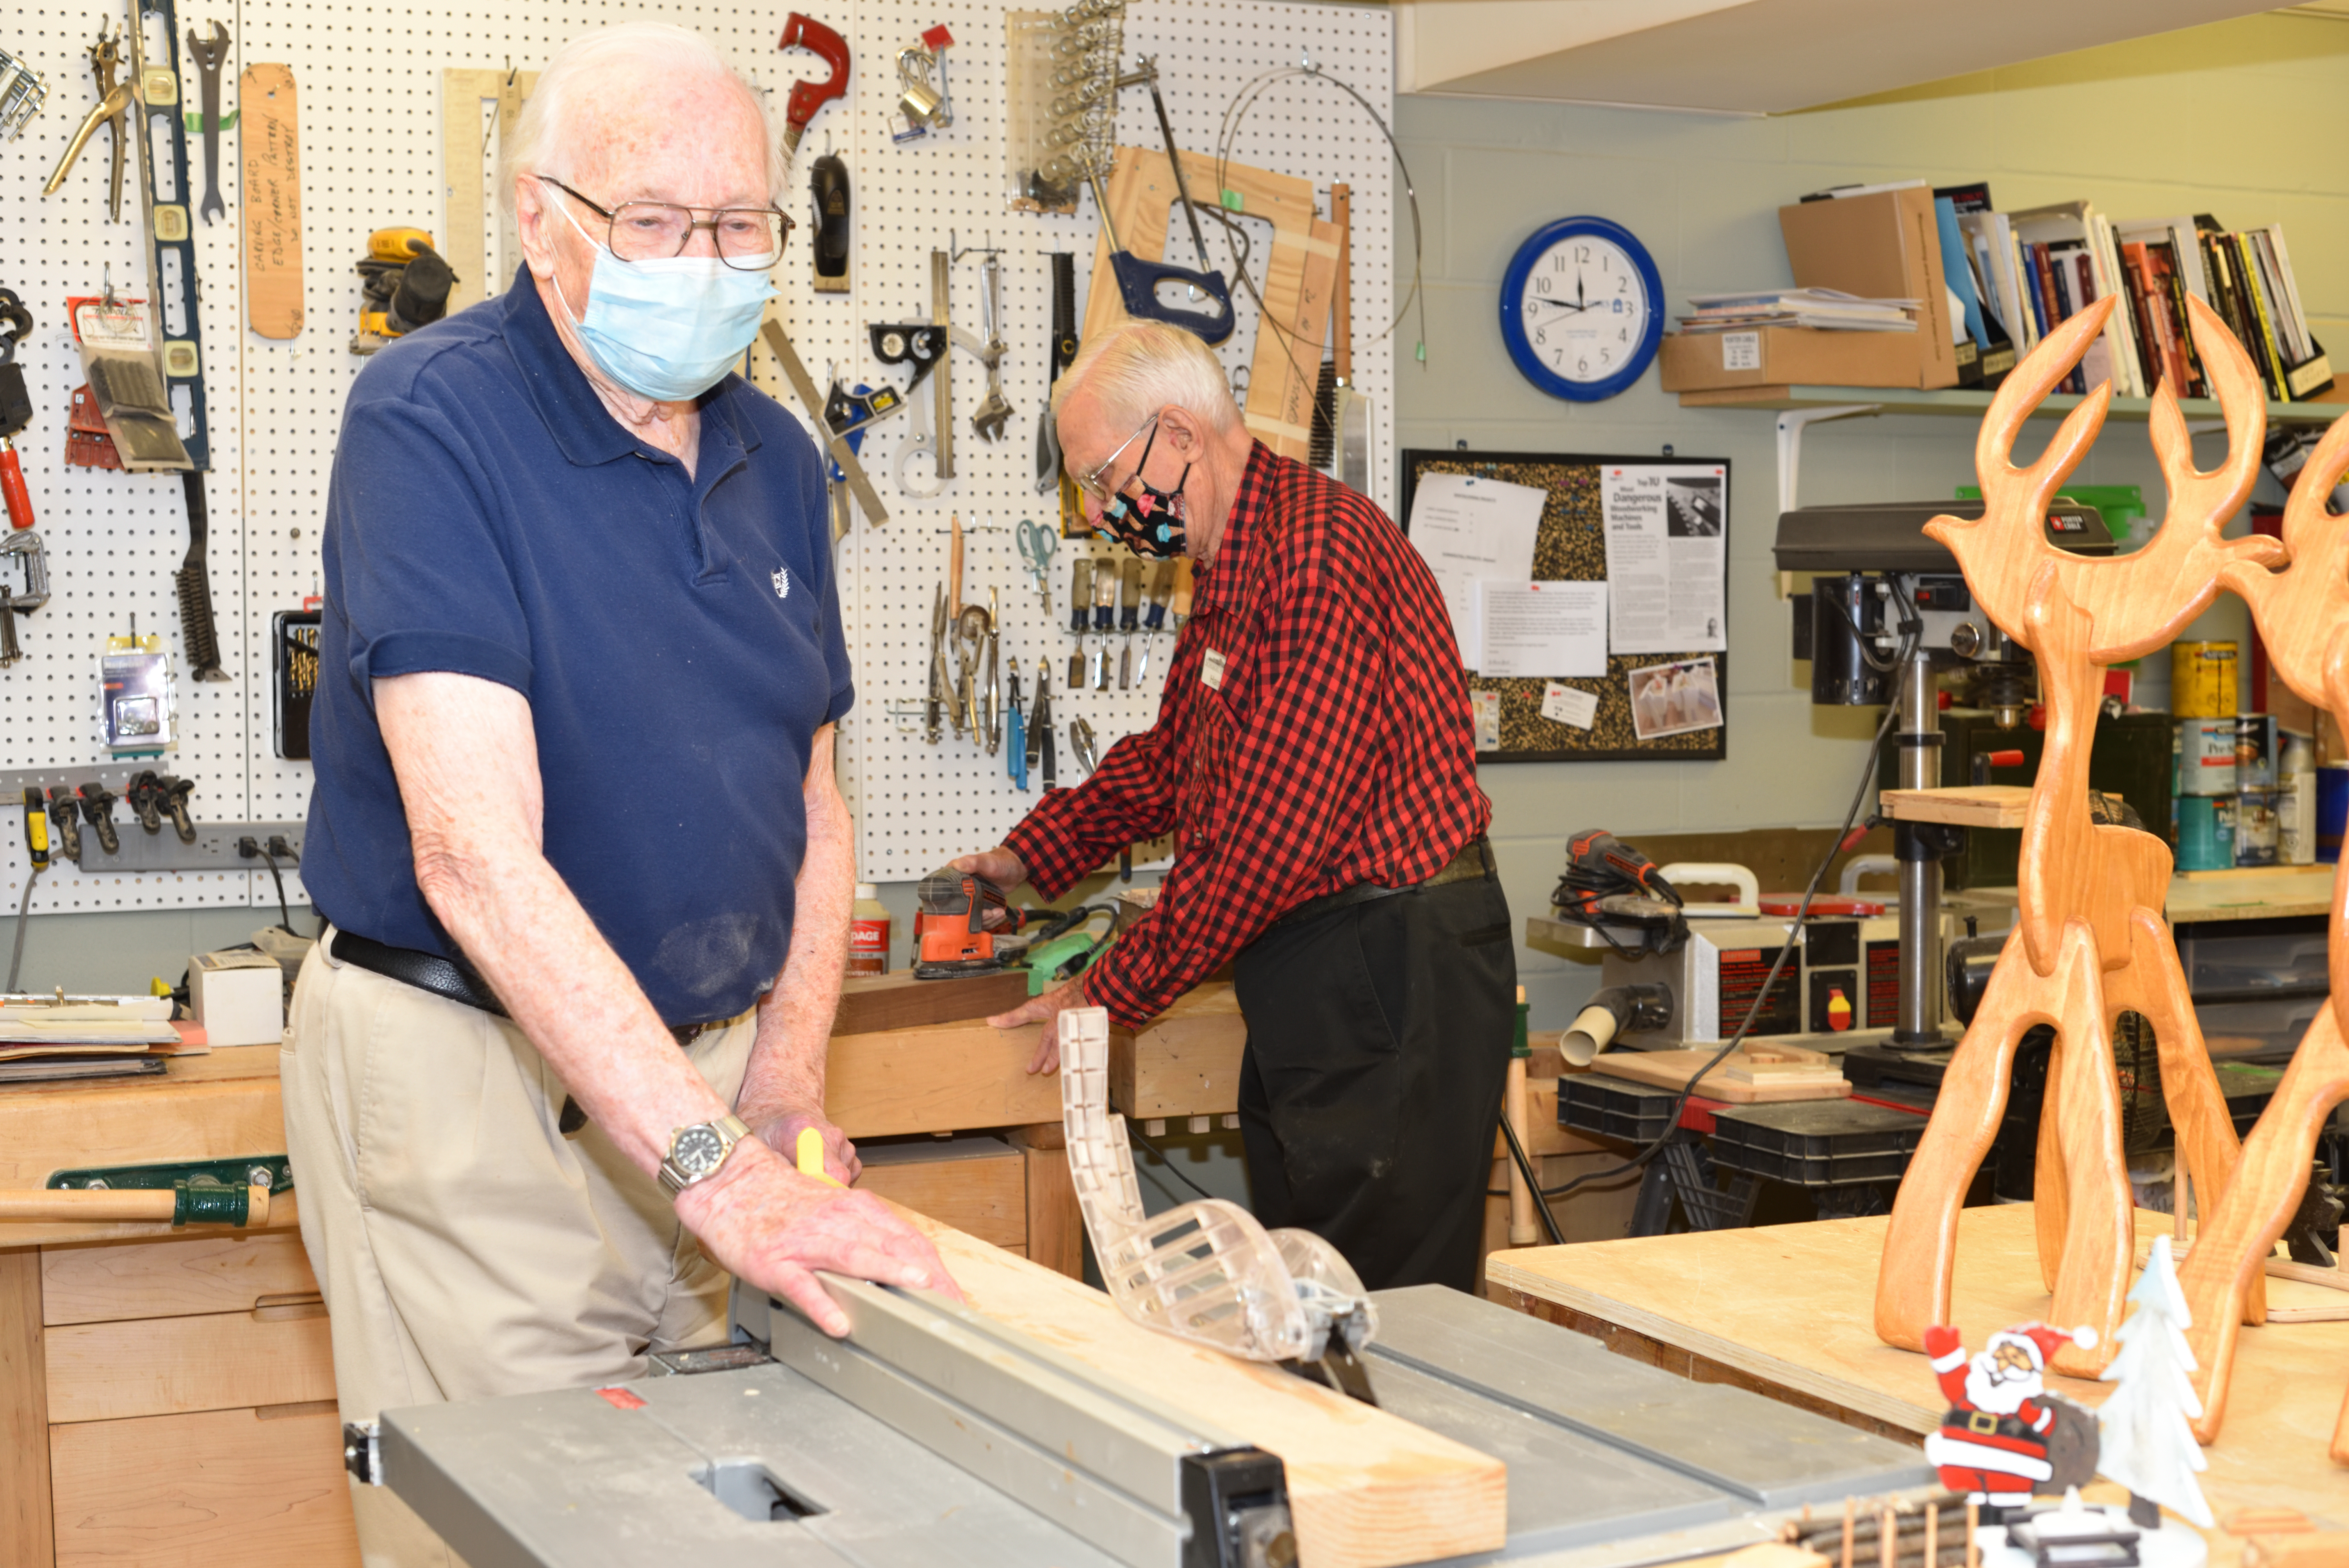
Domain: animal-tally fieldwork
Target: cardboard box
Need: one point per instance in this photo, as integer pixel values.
(1884, 246)
(1787, 356)
(239, 996)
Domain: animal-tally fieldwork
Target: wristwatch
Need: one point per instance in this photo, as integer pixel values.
(696, 1152)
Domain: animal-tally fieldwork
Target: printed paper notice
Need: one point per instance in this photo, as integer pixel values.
(1467, 529)
(1666, 526)
(1541, 628)
(1569, 705)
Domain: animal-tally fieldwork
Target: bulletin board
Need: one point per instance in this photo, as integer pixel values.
(1571, 547)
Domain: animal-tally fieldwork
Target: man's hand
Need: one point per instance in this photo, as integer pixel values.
(1000, 866)
(778, 1127)
(1045, 1009)
(773, 1228)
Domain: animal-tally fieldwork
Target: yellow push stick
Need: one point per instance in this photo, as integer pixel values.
(811, 1157)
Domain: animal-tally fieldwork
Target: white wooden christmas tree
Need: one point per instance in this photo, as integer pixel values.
(2144, 1441)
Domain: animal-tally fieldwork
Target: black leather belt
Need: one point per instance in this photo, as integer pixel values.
(449, 980)
(1471, 864)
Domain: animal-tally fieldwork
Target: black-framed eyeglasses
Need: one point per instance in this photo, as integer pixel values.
(750, 238)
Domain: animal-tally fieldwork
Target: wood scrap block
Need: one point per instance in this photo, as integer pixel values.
(870, 1003)
(1670, 1069)
(1367, 1488)
(937, 1078)
(1184, 1062)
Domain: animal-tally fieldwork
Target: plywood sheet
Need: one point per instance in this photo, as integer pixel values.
(1367, 1488)
(1792, 1306)
(1670, 1069)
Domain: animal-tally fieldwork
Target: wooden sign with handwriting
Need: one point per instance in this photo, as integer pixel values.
(270, 134)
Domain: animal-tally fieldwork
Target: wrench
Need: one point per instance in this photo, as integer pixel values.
(919, 445)
(995, 412)
(208, 54)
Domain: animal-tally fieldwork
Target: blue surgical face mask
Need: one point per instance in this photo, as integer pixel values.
(669, 330)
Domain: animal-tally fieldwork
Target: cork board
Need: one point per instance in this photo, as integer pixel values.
(271, 143)
(1571, 547)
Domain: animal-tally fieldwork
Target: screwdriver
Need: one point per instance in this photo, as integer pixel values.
(1015, 749)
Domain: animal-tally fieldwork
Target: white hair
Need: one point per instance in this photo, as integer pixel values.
(548, 126)
(1137, 368)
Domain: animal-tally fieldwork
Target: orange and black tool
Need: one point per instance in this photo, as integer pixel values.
(15, 408)
(955, 927)
(807, 33)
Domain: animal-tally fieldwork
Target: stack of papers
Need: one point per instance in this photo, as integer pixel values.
(86, 1025)
(1828, 308)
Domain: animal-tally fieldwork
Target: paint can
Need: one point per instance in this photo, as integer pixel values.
(2296, 799)
(2255, 751)
(2206, 832)
(2202, 680)
(2206, 757)
(2255, 828)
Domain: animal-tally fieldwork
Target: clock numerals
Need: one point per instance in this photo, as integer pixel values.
(1573, 334)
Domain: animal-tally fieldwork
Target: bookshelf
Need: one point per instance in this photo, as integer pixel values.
(1969, 403)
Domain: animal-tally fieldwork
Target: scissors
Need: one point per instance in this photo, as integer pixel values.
(1036, 547)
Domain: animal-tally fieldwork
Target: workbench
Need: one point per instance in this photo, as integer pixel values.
(170, 1394)
(1787, 1311)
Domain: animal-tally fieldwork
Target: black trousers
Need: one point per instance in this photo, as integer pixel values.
(1378, 1047)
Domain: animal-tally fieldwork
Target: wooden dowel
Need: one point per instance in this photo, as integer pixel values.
(80, 1205)
(1887, 1531)
(1973, 1520)
(1932, 1534)
(1849, 1507)
(1523, 1232)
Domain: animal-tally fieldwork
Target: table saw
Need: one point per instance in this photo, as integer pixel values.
(934, 1434)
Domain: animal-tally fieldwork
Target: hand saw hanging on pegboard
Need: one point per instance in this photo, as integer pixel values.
(163, 199)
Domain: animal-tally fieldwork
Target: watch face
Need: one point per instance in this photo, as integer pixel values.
(1585, 308)
(698, 1151)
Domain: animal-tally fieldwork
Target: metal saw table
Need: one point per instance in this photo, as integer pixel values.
(935, 1435)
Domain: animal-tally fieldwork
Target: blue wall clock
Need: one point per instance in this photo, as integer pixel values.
(1582, 309)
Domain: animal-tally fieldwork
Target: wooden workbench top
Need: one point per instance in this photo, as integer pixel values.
(2251, 893)
(1791, 1306)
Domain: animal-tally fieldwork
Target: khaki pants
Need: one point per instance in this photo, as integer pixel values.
(466, 1248)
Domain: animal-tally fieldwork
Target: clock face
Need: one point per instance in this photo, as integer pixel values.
(1585, 308)
(698, 1150)
(1582, 309)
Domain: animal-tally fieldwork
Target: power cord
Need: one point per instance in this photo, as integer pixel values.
(250, 849)
(1785, 951)
(23, 909)
(1533, 1183)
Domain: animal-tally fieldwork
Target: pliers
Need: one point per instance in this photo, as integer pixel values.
(112, 109)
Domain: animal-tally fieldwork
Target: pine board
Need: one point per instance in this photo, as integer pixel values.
(1670, 1069)
(1807, 1327)
(1367, 1488)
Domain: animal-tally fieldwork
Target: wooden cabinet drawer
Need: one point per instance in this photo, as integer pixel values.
(978, 1185)
(225, 1489)
(172, 1279)
(169, 1366)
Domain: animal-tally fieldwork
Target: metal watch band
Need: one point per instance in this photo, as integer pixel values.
(730, 1131)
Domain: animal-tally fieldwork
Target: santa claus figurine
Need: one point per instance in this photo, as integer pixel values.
(2004, 1437)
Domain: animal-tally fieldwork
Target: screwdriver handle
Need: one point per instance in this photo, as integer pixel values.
(12, 485)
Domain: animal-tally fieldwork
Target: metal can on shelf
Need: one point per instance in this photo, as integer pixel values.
(2202, 680)
(2206, 757)
(2206, 832)
(2255, 828)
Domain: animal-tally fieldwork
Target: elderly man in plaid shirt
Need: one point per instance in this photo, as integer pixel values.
(1313, 759)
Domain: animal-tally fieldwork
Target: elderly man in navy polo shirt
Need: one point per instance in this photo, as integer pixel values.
(576, 833)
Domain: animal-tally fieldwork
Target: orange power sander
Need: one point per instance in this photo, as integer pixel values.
(955, 929)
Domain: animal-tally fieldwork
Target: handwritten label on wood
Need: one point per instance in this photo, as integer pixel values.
(272, 149)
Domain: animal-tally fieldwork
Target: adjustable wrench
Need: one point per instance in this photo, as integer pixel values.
(208, 54)
(995, 412)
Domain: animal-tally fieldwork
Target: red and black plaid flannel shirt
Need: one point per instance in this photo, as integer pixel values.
(1335, 747)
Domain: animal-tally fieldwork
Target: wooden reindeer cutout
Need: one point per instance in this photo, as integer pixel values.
(2090, 942)
(2304, 618)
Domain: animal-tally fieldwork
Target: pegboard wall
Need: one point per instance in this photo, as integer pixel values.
(369, 77)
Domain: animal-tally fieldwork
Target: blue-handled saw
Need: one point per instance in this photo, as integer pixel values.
(1138, 281)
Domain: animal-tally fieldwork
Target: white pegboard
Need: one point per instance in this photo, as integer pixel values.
(369, 78)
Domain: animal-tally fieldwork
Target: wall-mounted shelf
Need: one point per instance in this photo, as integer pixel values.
(1967, 404)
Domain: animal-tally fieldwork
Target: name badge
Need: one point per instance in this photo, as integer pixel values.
(1210, 671)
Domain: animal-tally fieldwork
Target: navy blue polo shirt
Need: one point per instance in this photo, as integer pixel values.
(677, 638)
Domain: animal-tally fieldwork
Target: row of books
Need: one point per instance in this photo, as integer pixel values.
(2018, 275)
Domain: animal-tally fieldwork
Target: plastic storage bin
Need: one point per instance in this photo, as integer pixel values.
(1816, 1143)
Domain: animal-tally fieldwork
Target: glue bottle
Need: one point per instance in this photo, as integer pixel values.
(868, 933)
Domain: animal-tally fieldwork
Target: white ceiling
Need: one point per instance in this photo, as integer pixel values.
(1755, 56)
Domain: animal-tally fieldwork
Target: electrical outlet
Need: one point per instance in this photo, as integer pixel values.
(214, 851)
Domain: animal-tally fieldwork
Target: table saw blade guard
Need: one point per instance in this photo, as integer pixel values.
(1205, 1271)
